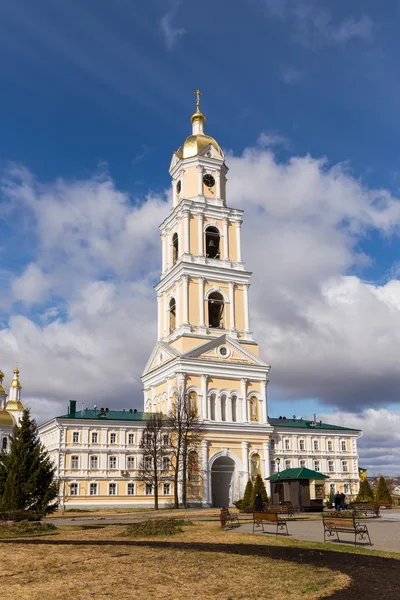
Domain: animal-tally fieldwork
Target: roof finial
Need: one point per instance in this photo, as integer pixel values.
(198, 94)
(198, 119)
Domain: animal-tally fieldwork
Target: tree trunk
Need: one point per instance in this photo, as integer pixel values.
(176, 481)
(184, 479)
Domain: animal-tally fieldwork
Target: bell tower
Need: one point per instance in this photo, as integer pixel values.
(203, 289)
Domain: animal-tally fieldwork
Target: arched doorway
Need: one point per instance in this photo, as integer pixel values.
(221, 481)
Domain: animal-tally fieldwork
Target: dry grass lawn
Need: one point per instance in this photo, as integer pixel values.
(53, 570)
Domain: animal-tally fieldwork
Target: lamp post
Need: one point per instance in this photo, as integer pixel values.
(278, 462)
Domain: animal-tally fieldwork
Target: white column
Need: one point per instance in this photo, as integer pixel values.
(204, 397)
(180, 382)
(229, 409)
(246, 307)
(232, 305)
(169, 399)
(264, 415)
(200, 181)
(201, 234)
(170, 250)
(243, 391)
(218, 412)
(238, 241)
(174, 194)
(159, 313)
(206, 475)
(178, 316)
(186, 232)
(218, 182)
(164, 265)
(226, 239)
(245, 458)
(201, 301)
(165, 319)
(267, 464)
(185, 280)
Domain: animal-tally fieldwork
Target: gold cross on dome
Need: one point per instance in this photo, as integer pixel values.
(198, 94)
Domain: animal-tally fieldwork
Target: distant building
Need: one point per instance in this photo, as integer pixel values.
(205, 349)
(11, 410)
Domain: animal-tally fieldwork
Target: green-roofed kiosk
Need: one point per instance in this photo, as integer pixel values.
(302, 487)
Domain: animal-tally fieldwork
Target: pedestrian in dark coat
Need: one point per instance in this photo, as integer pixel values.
(337, 501)
(258, 503)
(343, 501)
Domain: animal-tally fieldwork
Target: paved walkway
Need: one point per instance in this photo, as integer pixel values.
(384, 532)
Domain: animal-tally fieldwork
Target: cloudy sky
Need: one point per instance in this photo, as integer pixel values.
(303, 95)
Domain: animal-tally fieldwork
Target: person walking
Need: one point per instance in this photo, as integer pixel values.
(337, 501)
(258, 503)
(343, 501)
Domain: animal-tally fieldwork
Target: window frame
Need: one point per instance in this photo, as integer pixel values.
(330, 446)
(75, 434)
(331, 463)
(93, 457)
(316, 445)
(74, 486)
(302, 445)
(317, 466)
(131, 485)
(74, 458)
(164, 493)
(133, 436)
(345, 466)
(93, 486)
(112, 435)
(112, 459)
(114, 486)
(92, 434)
(149, 486)
(287, 444)
(131, 459)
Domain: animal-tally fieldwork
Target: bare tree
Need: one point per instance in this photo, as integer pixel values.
(155, 462)
(186, 434)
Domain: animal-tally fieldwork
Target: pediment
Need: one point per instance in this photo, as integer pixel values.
(235, 353)
(210, 149)
(162, 353)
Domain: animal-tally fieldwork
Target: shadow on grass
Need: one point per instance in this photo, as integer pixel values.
(371, 576)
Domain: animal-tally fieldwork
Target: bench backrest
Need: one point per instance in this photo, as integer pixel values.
(346, 522)
(261, 516)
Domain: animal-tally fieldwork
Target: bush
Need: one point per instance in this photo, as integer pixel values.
(247, 494)
(153, 527)
(238, 504)
(382, 491)
(25, 528)
(20, 515)
(259, 488)
(365, 492)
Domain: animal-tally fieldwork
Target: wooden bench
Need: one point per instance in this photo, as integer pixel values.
(338, 525)
(384, 504)
(269, 518)
(369, 509)
(289, 508)
(226, 517)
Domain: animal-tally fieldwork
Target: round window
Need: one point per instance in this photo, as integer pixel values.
(223, 351)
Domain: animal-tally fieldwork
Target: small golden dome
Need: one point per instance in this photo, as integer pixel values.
(198, 116)
(6, 419)
(194, 144)
(2, 391)
(15, 405)
(1, 375)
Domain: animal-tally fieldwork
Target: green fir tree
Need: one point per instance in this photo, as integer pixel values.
(247, 494)
(382, 491)
(365, 492)
(26, 473)
(259, 488)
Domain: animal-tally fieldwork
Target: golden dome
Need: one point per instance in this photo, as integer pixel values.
(194, 144)
(1, 375)
(15, 405)
(2, 391)
(6, 419)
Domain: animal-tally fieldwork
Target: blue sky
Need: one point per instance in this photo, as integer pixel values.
(303, 95)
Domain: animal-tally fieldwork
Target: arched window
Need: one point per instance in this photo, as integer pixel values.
(175, 248)
(212, 407)
(234, 408)
(5, 443)
(255, 466)
(223, 408)
(212, 242)
(216, 310)
(193, 466)
(172, 315)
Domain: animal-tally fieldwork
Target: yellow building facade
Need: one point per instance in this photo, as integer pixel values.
(205, 350)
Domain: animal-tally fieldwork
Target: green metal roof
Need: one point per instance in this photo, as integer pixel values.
(302, 473)
(304, 424)
(110, 415)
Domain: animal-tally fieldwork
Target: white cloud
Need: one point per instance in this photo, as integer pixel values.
(379, 447)
(328, 335)
(313, 24)
(268, 140)
(171, 34)
(32, 286)
(291, 76)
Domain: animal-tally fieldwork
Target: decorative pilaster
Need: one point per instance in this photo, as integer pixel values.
(185, 280)
(267, 467)
(186, 232)
(246, 307)
(264, 408)
(178, 315)
(238, 241)
(169, 394)
(218, 184)
(201, 301)
(229, 416)
(180, 382)
(204, 379)
(200, 181)
(201, 234)
(206, 473)
(165, 320)
(232, 305)
(245, 458)
(226, 239)
(243, 391)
